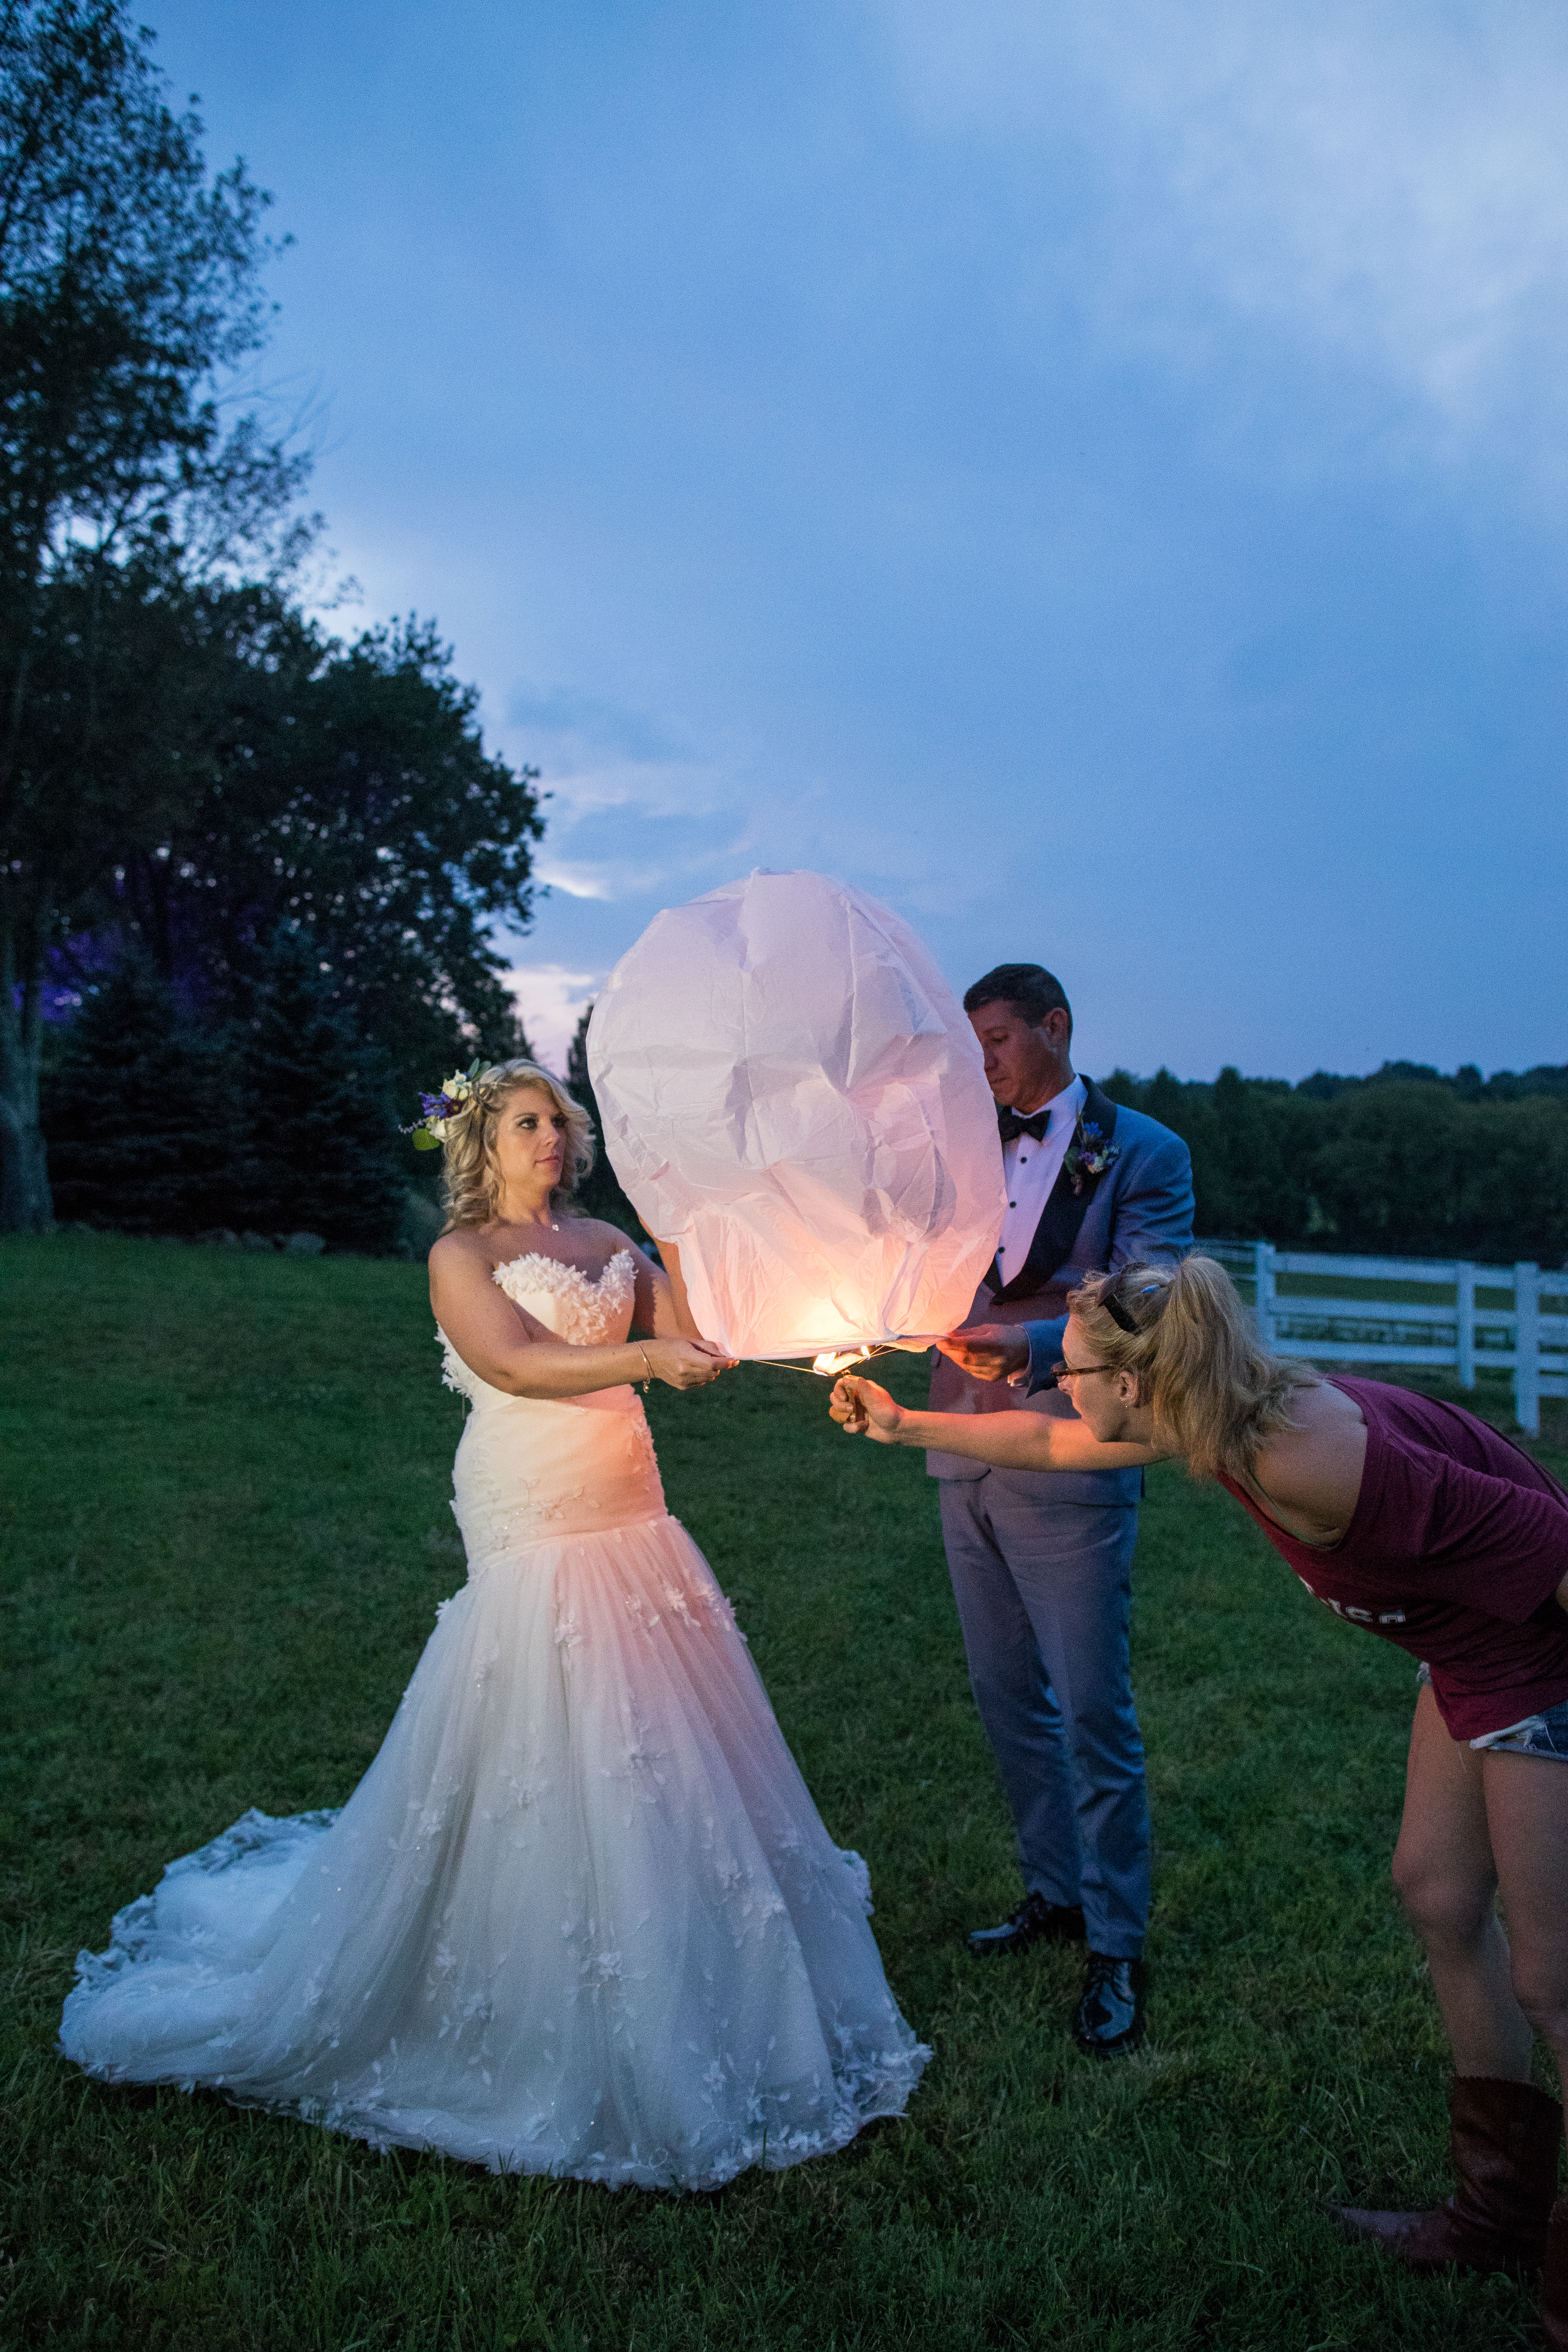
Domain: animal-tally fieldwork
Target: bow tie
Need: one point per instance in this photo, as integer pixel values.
(1011, 1124)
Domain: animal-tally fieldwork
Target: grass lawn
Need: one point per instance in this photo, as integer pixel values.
(226, 1483)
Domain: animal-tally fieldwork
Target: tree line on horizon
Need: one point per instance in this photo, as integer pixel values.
(1407, 1162)
(284, 1121)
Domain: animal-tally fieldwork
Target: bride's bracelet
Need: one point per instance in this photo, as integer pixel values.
(649, 1382)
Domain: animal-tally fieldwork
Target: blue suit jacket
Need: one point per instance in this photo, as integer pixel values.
(1141, 1207)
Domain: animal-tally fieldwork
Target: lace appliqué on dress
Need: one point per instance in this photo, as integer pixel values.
(597, 1313)
(594, 1310)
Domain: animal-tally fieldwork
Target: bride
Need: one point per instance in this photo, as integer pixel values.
(580, 1916)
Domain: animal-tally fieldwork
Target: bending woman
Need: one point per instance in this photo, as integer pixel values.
(1414, 1521)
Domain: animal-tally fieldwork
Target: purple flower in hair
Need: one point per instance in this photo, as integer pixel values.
(429, 1132)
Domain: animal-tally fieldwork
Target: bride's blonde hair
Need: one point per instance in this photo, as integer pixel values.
(1215, 1391)
(470, 1182)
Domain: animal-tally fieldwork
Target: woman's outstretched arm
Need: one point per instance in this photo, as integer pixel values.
(1008, 1440)
(507, 1347)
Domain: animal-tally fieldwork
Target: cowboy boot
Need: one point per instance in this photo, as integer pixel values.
(1554, 2281)
(1503, 2144)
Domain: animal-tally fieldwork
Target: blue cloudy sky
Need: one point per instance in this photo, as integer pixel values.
(1096, 478)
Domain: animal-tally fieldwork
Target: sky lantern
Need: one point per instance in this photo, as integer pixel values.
(792, 1096)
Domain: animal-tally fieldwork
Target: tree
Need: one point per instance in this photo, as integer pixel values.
(1407, 1162)
(143, 1115)
(324, 1153)
(353, 801)
(161, 1123)
(127, 279)
(1413, 1168)
(128, 282)
(599, 1193)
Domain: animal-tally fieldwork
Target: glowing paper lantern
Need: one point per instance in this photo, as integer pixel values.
(793, 1096)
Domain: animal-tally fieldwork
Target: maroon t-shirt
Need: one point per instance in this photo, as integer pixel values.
(1456, 1549)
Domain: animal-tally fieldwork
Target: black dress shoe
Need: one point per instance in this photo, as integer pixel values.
(1035, 1921)
(1109, 2019)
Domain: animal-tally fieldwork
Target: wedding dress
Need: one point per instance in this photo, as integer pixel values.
(580, 1916)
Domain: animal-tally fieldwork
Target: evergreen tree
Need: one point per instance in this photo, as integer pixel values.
(324, 1156)
(599, 1195)
(143, 1112)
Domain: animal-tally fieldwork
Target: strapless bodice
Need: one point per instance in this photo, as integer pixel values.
(530, 1469)
(566, 1301)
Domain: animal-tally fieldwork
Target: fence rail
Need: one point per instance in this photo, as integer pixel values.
(1495, 1318)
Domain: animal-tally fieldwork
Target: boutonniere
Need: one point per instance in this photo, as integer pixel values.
(1088, 1154)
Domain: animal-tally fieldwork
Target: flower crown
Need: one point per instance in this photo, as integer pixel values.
(457, 1095)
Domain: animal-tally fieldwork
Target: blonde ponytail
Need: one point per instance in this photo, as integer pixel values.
(1216, 1391)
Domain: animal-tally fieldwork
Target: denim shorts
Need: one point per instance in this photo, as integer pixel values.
(1536, 1734)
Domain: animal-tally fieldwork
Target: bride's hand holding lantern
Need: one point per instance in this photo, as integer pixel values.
(682, 1363)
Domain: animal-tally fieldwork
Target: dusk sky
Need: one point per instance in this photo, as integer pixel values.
(1096, 480)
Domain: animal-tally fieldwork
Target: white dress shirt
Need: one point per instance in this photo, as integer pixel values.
(1031, 1170)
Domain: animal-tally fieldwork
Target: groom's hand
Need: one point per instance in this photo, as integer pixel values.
(865, 1410)
(988, 1351)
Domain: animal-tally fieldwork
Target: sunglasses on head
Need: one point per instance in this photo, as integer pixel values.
(1116, 1307)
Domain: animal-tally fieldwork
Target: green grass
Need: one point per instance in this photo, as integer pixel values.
(227, 1496)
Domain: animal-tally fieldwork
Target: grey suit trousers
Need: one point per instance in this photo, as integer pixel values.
(1043, 1592)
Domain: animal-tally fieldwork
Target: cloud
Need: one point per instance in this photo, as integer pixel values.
(577, 881)
(632, 813)
(550, 998)
(1384, 188)
(635, 835)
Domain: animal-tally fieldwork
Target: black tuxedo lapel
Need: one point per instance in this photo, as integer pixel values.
(1063, 1214)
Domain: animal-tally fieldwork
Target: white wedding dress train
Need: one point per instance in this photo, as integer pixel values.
(581, 1916)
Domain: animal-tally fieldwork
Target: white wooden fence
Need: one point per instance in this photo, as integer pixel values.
(1520, 1325)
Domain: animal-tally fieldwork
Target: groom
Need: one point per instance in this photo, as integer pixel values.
(1041, 1561)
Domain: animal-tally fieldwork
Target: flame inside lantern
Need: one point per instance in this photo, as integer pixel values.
(834, 1361)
